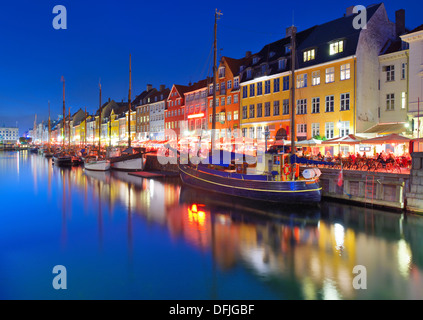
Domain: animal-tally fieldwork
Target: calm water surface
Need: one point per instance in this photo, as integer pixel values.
(125, 237)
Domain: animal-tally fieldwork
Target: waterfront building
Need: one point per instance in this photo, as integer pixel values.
(9, 135)
(195, 114)
(227, 95)
(336, 80)
(415, 75)
(157, 110)
(142, 113)
(174, 114)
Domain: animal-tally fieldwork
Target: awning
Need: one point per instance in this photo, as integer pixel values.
(387, 128)
(349, 139)
(308, 143)
(390, 138)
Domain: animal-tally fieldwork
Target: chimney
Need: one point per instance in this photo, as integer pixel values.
(109, 99)
(162, 87)
(248, 54)
(288, 31)
(149, 87)
(399, 22)
(349, 11)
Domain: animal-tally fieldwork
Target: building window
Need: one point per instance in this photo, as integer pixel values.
(244, 112)
(252, 107)
(345, 101)
(211, 89)
(235, 98)
(229, 84)
(345, 71)
(251, 132)
(229, 116)
(267, 87)
(336, 47)
(329, 130)
(285, 83)
(252, 90)
(285, 106)
(302, 106)
(403, 70)
(229, 100)
(281, 64)
(344, 128)
(235, 115)
(221, 72)
(390, 101)
(259, 110)
(315, 129)
(248, 73)
(315, 78)
(302, 80)
(236, 83)
(330, 75)
(276, 85)
(259, 88)
(302, 129)
(267, 109)
(315, 105)
(244, 92)
(259, 132)
(330, 101)
(309, 55)
(390, 73)
(222, 101)
(403, 100)
(276, 108)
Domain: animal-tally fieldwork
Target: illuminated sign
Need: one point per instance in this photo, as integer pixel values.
(194, 116)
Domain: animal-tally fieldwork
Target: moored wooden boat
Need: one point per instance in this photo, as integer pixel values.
(94, 164)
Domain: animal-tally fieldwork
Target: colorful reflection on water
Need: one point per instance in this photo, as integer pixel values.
(125, 237)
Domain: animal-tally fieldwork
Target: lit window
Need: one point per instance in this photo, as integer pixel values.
(309, 55)
(315, 78)
(336, 47)
(330, 75)
(403, 100)
(345, 71)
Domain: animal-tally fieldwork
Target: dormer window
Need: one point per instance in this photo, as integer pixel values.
(281, 64)
(241, 68)
(309, 55)
(336, 47)
(287, 49)
(248, 73)
(255, 60)
(271, 54)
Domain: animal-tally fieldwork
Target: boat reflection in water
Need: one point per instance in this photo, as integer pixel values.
(156, 239)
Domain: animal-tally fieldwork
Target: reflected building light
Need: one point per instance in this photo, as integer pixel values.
(309, 289)
(339, 235)
(151, 188)
(330, 292)
(404, 258)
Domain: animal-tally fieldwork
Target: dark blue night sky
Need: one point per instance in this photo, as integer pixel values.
(170, 42)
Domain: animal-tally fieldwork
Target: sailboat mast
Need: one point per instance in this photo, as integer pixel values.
(49, 126)
(99, 123)
(216, 16)
(293, 55)
(64, 114)
(69, 128)
(85, 128)
(129, 104)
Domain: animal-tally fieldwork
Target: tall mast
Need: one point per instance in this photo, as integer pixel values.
(64, 114)
(49, 126)
(293, 55)
(216, 16)
(85, 127)
(34, 133)
(129, 104)
(69, 128)
(99, 122)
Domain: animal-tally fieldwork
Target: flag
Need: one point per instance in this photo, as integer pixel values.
(340, 179)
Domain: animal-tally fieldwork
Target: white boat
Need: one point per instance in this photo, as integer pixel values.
(94, 164)
(132, 162)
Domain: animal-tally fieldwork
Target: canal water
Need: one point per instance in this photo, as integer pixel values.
(119, 236)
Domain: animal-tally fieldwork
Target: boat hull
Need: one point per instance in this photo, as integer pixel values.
(63, 161)
(130, 164)
(102, 165)
(300, 191)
